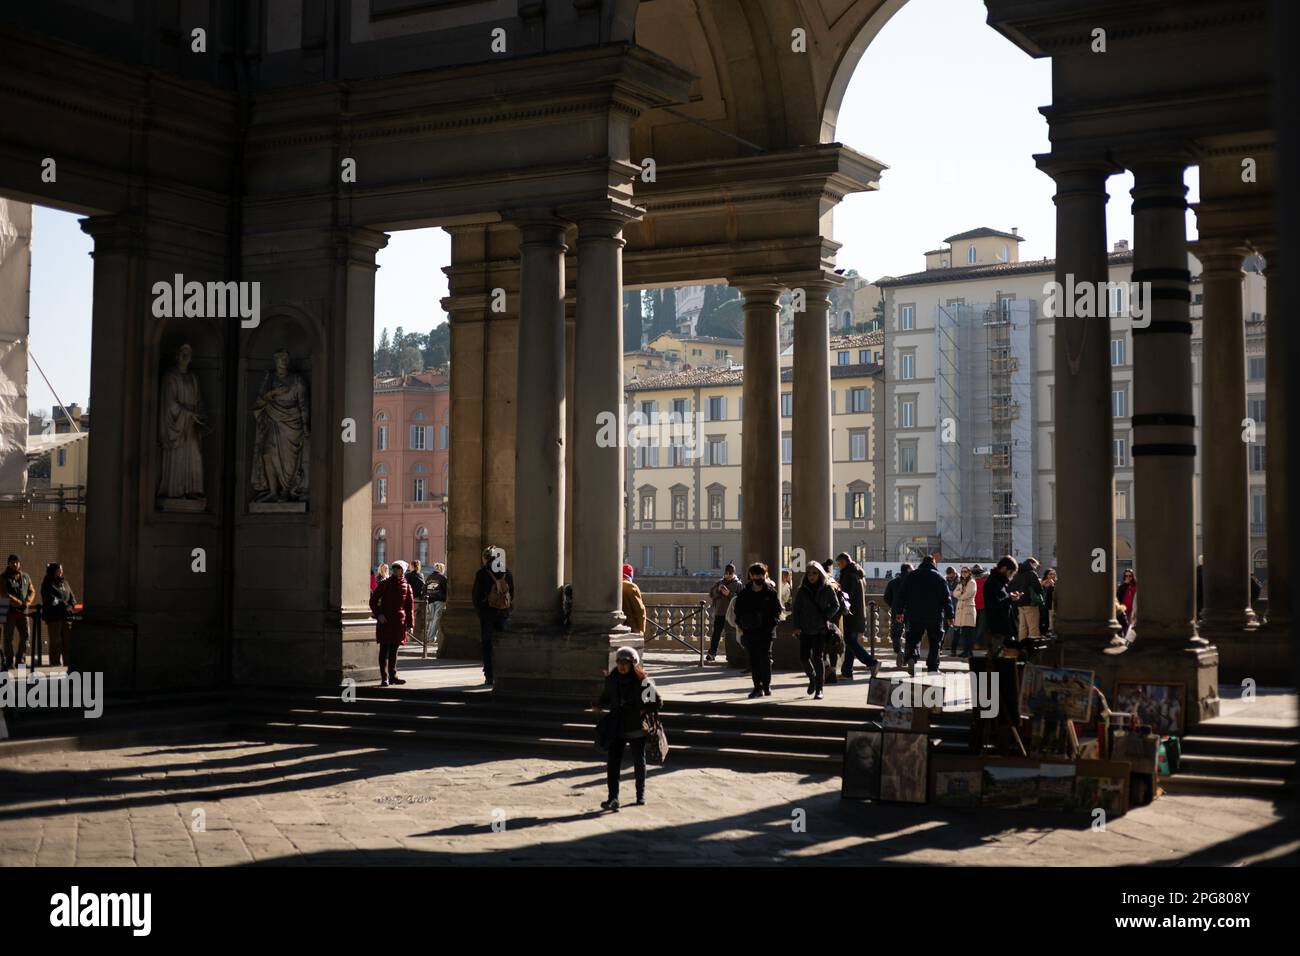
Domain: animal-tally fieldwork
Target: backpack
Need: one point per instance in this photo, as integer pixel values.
(845, 606)
(499, 597)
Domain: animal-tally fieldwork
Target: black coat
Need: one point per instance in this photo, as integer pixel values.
(926, 598)
(484, 581)
(999, 606)
(852, 583)
(436, 587)
(416, 582)
(764, 605)
(634, 705)
(894, 592)
(56, 599)
(814, 609)
(1028, 584)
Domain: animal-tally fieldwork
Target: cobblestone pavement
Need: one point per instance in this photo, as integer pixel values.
(334, 803)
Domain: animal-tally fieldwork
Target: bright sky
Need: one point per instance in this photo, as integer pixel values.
(947, 103)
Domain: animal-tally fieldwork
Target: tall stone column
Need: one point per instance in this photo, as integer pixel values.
(810, 509)
(1225, 575)
(538, 561)
(1164, 444)
(597, 449)
(1278, 487)
(760, 453)
(1085, 480)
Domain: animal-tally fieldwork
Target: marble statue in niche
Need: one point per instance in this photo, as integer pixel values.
(182, 423)
(281, 418)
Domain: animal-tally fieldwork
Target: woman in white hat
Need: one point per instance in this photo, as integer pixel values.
(633, 701)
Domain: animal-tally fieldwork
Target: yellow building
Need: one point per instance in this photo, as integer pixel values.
(700, 352)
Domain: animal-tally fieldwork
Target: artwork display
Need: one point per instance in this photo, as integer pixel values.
(1101, 783)
(281, 415)
(903, 767)
(878, 692)
(1056, 694)
(1142, 751)
(1158, 706)
(861, 779)
(182, 423)
(1056, 786)
(1009, 784)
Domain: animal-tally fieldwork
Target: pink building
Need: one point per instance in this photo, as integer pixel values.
(409, 468)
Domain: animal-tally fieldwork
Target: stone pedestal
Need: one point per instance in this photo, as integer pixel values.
(1194, 666)
(460, 635)
(538, 661)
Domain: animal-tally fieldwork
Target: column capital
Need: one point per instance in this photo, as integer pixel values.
(601, 218)
(1158, 160)
(1220, 257)
(539, 227)
(814, 283)
(758, 290)
(1076, 173)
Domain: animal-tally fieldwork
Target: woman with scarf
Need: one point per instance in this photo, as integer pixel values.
(816, 605)
(633, 703)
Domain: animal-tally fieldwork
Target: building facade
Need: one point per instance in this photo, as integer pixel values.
(412, 435)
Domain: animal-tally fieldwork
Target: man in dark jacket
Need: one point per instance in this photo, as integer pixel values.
(723, 590)
(757, 609)
(927, 608)
(435, 591)
(894, 600)
(1031, 598)
(493, 595)
(999, 605)
(854, 623)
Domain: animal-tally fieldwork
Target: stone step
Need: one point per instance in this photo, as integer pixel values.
(1253, 767)
(1241, 747)
(1223, 786)
(1244, 730)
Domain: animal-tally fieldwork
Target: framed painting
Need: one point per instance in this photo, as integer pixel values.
(861, 779)
(1056, 694)
(1160, 706)
(903, 768)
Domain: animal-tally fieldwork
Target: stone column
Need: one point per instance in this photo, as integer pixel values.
(538, 561)
(810, 509)
(1085, 480)
(1278, 487)
(570, 336)
(1164, 444)
(1225, 575)
(597, 451)
(760, 453)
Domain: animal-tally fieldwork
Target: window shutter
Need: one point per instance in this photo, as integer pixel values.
(832, 401)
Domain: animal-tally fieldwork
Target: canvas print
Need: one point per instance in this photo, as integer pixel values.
(1141, 751)
(903, 769)
(1009, 785)
(861, 779)
(1056, 786)
(878, 692)
(1158, 706)
(897, 718)
(1056, 694)
(957, 788)
(1104, 784)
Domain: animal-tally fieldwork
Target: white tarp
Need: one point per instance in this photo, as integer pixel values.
(15, 282)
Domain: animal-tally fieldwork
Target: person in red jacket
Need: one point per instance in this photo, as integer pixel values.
(979, 575)
(393, 604)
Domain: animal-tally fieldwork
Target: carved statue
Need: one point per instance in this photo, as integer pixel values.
(281, 415)
(182, 421)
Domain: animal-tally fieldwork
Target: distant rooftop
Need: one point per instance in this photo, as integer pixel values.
(983, 232)
(991, 270)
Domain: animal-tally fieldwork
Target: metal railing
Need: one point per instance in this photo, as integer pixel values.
(679, 623)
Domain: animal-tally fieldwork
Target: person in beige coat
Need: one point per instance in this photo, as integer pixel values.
(633, 603)
(964, 597)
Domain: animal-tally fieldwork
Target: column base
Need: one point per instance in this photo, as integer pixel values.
(547, 661)
(460, 634)
(1196, 667)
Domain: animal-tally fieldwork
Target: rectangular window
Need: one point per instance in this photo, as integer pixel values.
(647, 556)
(1258, 457)
(907, 364)
(715, 555)
(1255, 368)
(717, 451)
(785, 505)
(715, 506)
(1122, 503)
(1117, 350)
(787, 404)
(864, 357)
(1255, 409)
(858, 445)
(1259, 514)
(61, 457)
(647, 507)
(381, 491)
(859, 400)
(858, 505)
(906, 318)
(843, 358)
(1118, 403)
(1120, 446)
(679, 507)
(421, 437)
(907, 504)
(787, 448)
(718, 408)
(381, 438)
(907, 457)
(907, 411)
(417, 490)
(442, 441)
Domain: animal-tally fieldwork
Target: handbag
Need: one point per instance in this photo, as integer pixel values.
(605, 729)
(656, 744)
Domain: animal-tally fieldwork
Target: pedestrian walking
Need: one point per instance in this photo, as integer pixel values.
(1125, 602)
(816, 607)
(965, 614)
(894, 599)
(950, 576)
(19, 596)
(854, 623)
(723, 590)
(57, 602)
(393, 605)
(633, 602)
(927, 609)
(633, 703)
(787, 590)
(757, 609)
(1031, 598)
(435, 592)
(493, 595)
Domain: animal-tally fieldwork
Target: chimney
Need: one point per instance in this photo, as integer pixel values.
(1015, 230)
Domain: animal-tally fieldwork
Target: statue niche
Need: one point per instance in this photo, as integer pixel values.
(182, 423)
(281, 415)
